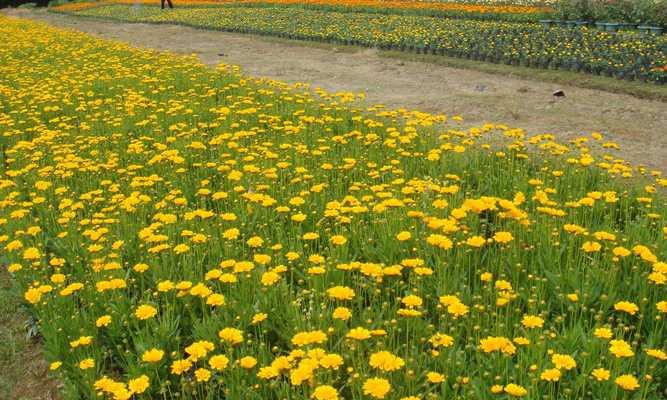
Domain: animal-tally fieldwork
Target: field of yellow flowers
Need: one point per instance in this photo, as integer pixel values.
(187, 233)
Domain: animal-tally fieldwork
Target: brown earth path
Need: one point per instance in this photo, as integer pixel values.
(639, 125)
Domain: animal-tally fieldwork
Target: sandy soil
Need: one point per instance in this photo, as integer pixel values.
(640, 126)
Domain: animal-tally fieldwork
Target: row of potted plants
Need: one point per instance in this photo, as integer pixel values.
(605, 26)
(626, 56)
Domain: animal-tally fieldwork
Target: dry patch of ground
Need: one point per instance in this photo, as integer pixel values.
(23, 371)
(639, 125)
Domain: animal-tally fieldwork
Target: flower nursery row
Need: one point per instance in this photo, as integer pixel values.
(181, 232)
(626, 55)
(393, 7)
(415, 7)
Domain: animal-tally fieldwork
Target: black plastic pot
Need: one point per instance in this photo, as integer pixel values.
(656, 30)
(627, 26)
(546, 22)
(644, 28)
(611, 26)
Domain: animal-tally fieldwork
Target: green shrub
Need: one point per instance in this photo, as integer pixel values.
(652, 12)
(575, 10)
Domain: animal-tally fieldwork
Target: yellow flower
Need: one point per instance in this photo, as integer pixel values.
(603, 333)
(247, 362)
(657, 353)
(550, 375)
(202, 375)
(338, 240)
(269, 278)
(32, 295)
(259, 317)
(139, 385)
(216, 300)
(144, 312)
(403, 236)
(152, 356)
(218, 362)
(621, 251)
(332, 361)
(532, 321)
(627, 382)
(306, 338)
(179, 367)
(358, 333)
(231, 335)
(102, 321)
(626, 306)
(503, 237)
(199, 350)
(591, 247)
(601, 374)
(501, 344)
(310, 236)
(181, 248)
(325, 392)
(434, 377)
(563, 361)
(441, 340)
(340, 293)
(342, 313)
(476, 241)
(412, 301)
(87, 363)
(255, 241)
(515, 390)
(386, 361)
(31, 254)
(231, 234)
(496, 389)
(376, 387)
(620, 349)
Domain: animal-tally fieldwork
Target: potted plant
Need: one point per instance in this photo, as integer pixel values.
(574, 12)
(652, 16)
(600, 14)
(611, 15)
(546, 23)
(563, 10)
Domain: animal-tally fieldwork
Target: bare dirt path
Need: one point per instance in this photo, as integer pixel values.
(639, 125)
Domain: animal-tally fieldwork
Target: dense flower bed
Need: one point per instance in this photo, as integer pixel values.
(187, 233)
(625, 55)
(404, 7)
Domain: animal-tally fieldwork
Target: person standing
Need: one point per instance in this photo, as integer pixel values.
(168, 2)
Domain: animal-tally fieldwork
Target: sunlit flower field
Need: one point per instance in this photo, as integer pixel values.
(181, 232)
